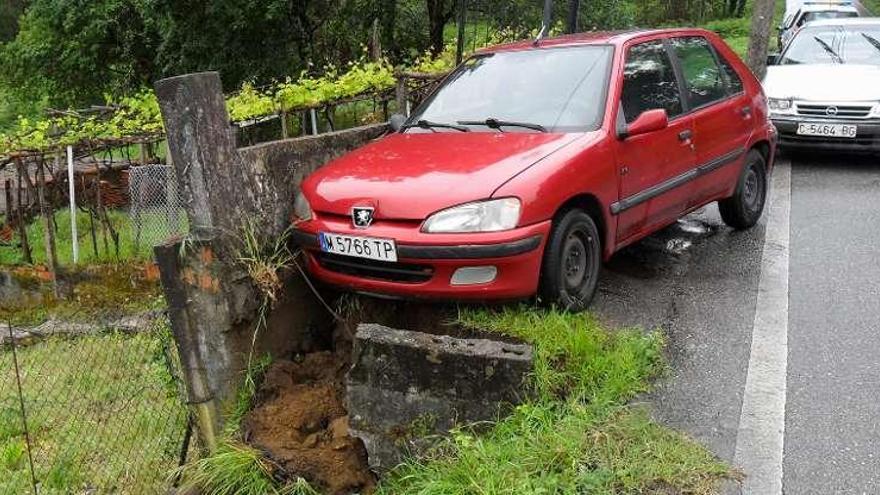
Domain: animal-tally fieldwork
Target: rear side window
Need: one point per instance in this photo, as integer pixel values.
(702, 75)
(734, 82)
(649, 81)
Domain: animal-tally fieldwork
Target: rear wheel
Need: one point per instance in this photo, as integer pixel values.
(572, 259)
(744, 208)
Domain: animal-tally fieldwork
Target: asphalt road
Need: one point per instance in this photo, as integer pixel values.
(698, 280)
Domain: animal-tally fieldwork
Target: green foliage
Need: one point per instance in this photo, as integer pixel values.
(129, 250)
(576, 435)
(236, 469)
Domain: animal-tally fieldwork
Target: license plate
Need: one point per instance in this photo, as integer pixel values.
(829, 130)
(359, 247)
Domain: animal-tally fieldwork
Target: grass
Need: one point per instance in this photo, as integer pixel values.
(236, 468)
(103, 411)
(578, 434)
(131, 247)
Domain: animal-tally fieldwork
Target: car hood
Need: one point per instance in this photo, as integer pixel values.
(410, 176)
(824, 82)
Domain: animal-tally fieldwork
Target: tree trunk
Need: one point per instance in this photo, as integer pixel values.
(759, 43)
(438, 15)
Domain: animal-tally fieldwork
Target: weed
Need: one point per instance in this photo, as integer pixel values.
(236, 469)
(577, 435)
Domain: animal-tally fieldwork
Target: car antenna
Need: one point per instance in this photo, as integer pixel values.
(548, 19)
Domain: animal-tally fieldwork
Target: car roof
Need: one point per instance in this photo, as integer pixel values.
(852, 21)
(592, 38)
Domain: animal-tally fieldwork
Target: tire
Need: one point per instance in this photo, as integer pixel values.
(745, 207)
(572, 259)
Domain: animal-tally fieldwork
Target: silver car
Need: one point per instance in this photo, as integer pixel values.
(824, 89)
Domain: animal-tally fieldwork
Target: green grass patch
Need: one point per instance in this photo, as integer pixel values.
(135, 240)
(103, 412)
(577, 434)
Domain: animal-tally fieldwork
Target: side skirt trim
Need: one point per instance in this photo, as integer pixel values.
(679, 180)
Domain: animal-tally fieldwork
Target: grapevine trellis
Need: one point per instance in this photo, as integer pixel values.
(109, 139)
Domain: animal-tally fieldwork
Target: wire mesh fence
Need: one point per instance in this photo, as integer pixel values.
(90, 405)
(156, 212)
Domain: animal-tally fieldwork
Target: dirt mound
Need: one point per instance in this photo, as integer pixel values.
(300, 423)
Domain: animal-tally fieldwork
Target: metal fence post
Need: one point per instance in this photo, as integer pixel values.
(27, 435)
(74, 239)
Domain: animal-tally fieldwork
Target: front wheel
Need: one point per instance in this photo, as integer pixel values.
(744, 208)
(572, 259)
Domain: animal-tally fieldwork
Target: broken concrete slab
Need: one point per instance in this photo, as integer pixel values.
(405, 386)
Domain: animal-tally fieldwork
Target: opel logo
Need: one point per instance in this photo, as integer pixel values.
(362, 216)
(831, 111)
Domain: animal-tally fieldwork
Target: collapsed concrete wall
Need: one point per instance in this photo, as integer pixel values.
(213, 302)
(405, 386)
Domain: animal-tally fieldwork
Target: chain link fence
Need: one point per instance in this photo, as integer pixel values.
(156, 212)
(91, 405)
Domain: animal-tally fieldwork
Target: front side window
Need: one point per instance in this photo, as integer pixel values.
(649, 82)
(856, 45)
(558, 89)
(702, 75)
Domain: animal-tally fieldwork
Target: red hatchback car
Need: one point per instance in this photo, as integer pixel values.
(535, 161)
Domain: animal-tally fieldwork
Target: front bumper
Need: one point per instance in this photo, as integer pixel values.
(867, 139)
(427, 262)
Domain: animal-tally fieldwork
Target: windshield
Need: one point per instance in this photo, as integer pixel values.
(556, 89)
(835, 45)
(827, 14)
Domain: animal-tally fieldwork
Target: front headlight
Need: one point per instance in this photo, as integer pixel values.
(876, 112)
(481, 216)
(302, 211)
(779, 105)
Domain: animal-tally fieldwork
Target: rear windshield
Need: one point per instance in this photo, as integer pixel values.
(559, 89)
(835, 45)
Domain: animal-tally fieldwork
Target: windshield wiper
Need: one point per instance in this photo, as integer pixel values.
(496, 124)
(872, 40)
(427, 124)
(825, 46)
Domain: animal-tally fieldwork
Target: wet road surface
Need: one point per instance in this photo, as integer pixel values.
(698, 280)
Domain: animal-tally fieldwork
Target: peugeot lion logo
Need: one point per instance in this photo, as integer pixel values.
(362, 216)
(831, 111)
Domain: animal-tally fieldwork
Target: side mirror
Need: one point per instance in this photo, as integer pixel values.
(648, 121)
(396, 121)
(773, 59)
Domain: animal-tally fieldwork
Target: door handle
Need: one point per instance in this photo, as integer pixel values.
(685, 136)
(746, 111)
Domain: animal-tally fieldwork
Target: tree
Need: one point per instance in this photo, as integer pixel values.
(71, 51)
(10, 10)
(759, 42)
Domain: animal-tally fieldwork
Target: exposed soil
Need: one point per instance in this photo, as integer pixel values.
(301, 424)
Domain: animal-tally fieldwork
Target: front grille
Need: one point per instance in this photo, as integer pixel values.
(380, 270)
(830, 111)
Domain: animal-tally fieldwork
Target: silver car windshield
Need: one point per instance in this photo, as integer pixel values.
(835, 45)
(553, 89)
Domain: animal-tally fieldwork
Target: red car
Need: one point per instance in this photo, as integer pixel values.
(535, 161)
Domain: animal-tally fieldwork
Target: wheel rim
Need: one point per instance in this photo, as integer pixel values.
(752, 190)
(574, 261)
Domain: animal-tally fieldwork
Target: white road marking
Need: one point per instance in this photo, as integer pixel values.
(761, 435)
